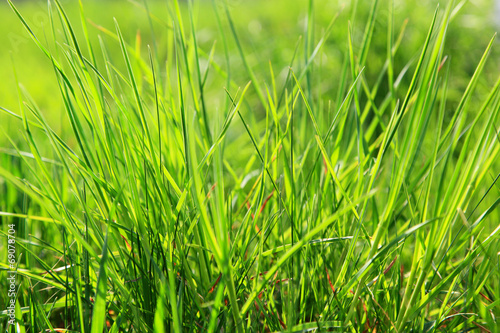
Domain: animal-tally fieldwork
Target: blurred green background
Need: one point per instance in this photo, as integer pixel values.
(271, 28)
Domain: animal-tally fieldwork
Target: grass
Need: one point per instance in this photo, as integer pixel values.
(347, 184)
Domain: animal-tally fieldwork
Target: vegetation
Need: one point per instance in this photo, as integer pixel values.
(261, 166)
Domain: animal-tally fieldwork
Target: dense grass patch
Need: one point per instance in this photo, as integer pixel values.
(313, 167)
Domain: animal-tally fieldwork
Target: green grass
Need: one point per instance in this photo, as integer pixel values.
(259, 166)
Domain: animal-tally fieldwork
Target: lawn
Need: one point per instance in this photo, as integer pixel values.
(249, 166)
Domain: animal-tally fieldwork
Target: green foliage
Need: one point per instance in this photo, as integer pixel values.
(260, 166)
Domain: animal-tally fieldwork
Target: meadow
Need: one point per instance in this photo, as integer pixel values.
(249, 166)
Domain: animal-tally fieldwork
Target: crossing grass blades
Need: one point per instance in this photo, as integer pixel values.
(198, 192)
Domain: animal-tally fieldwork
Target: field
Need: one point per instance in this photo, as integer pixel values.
(249, 166)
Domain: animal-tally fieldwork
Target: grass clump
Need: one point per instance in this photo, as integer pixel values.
(194, 191)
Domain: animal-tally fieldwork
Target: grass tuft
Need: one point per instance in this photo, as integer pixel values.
(263, 167)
